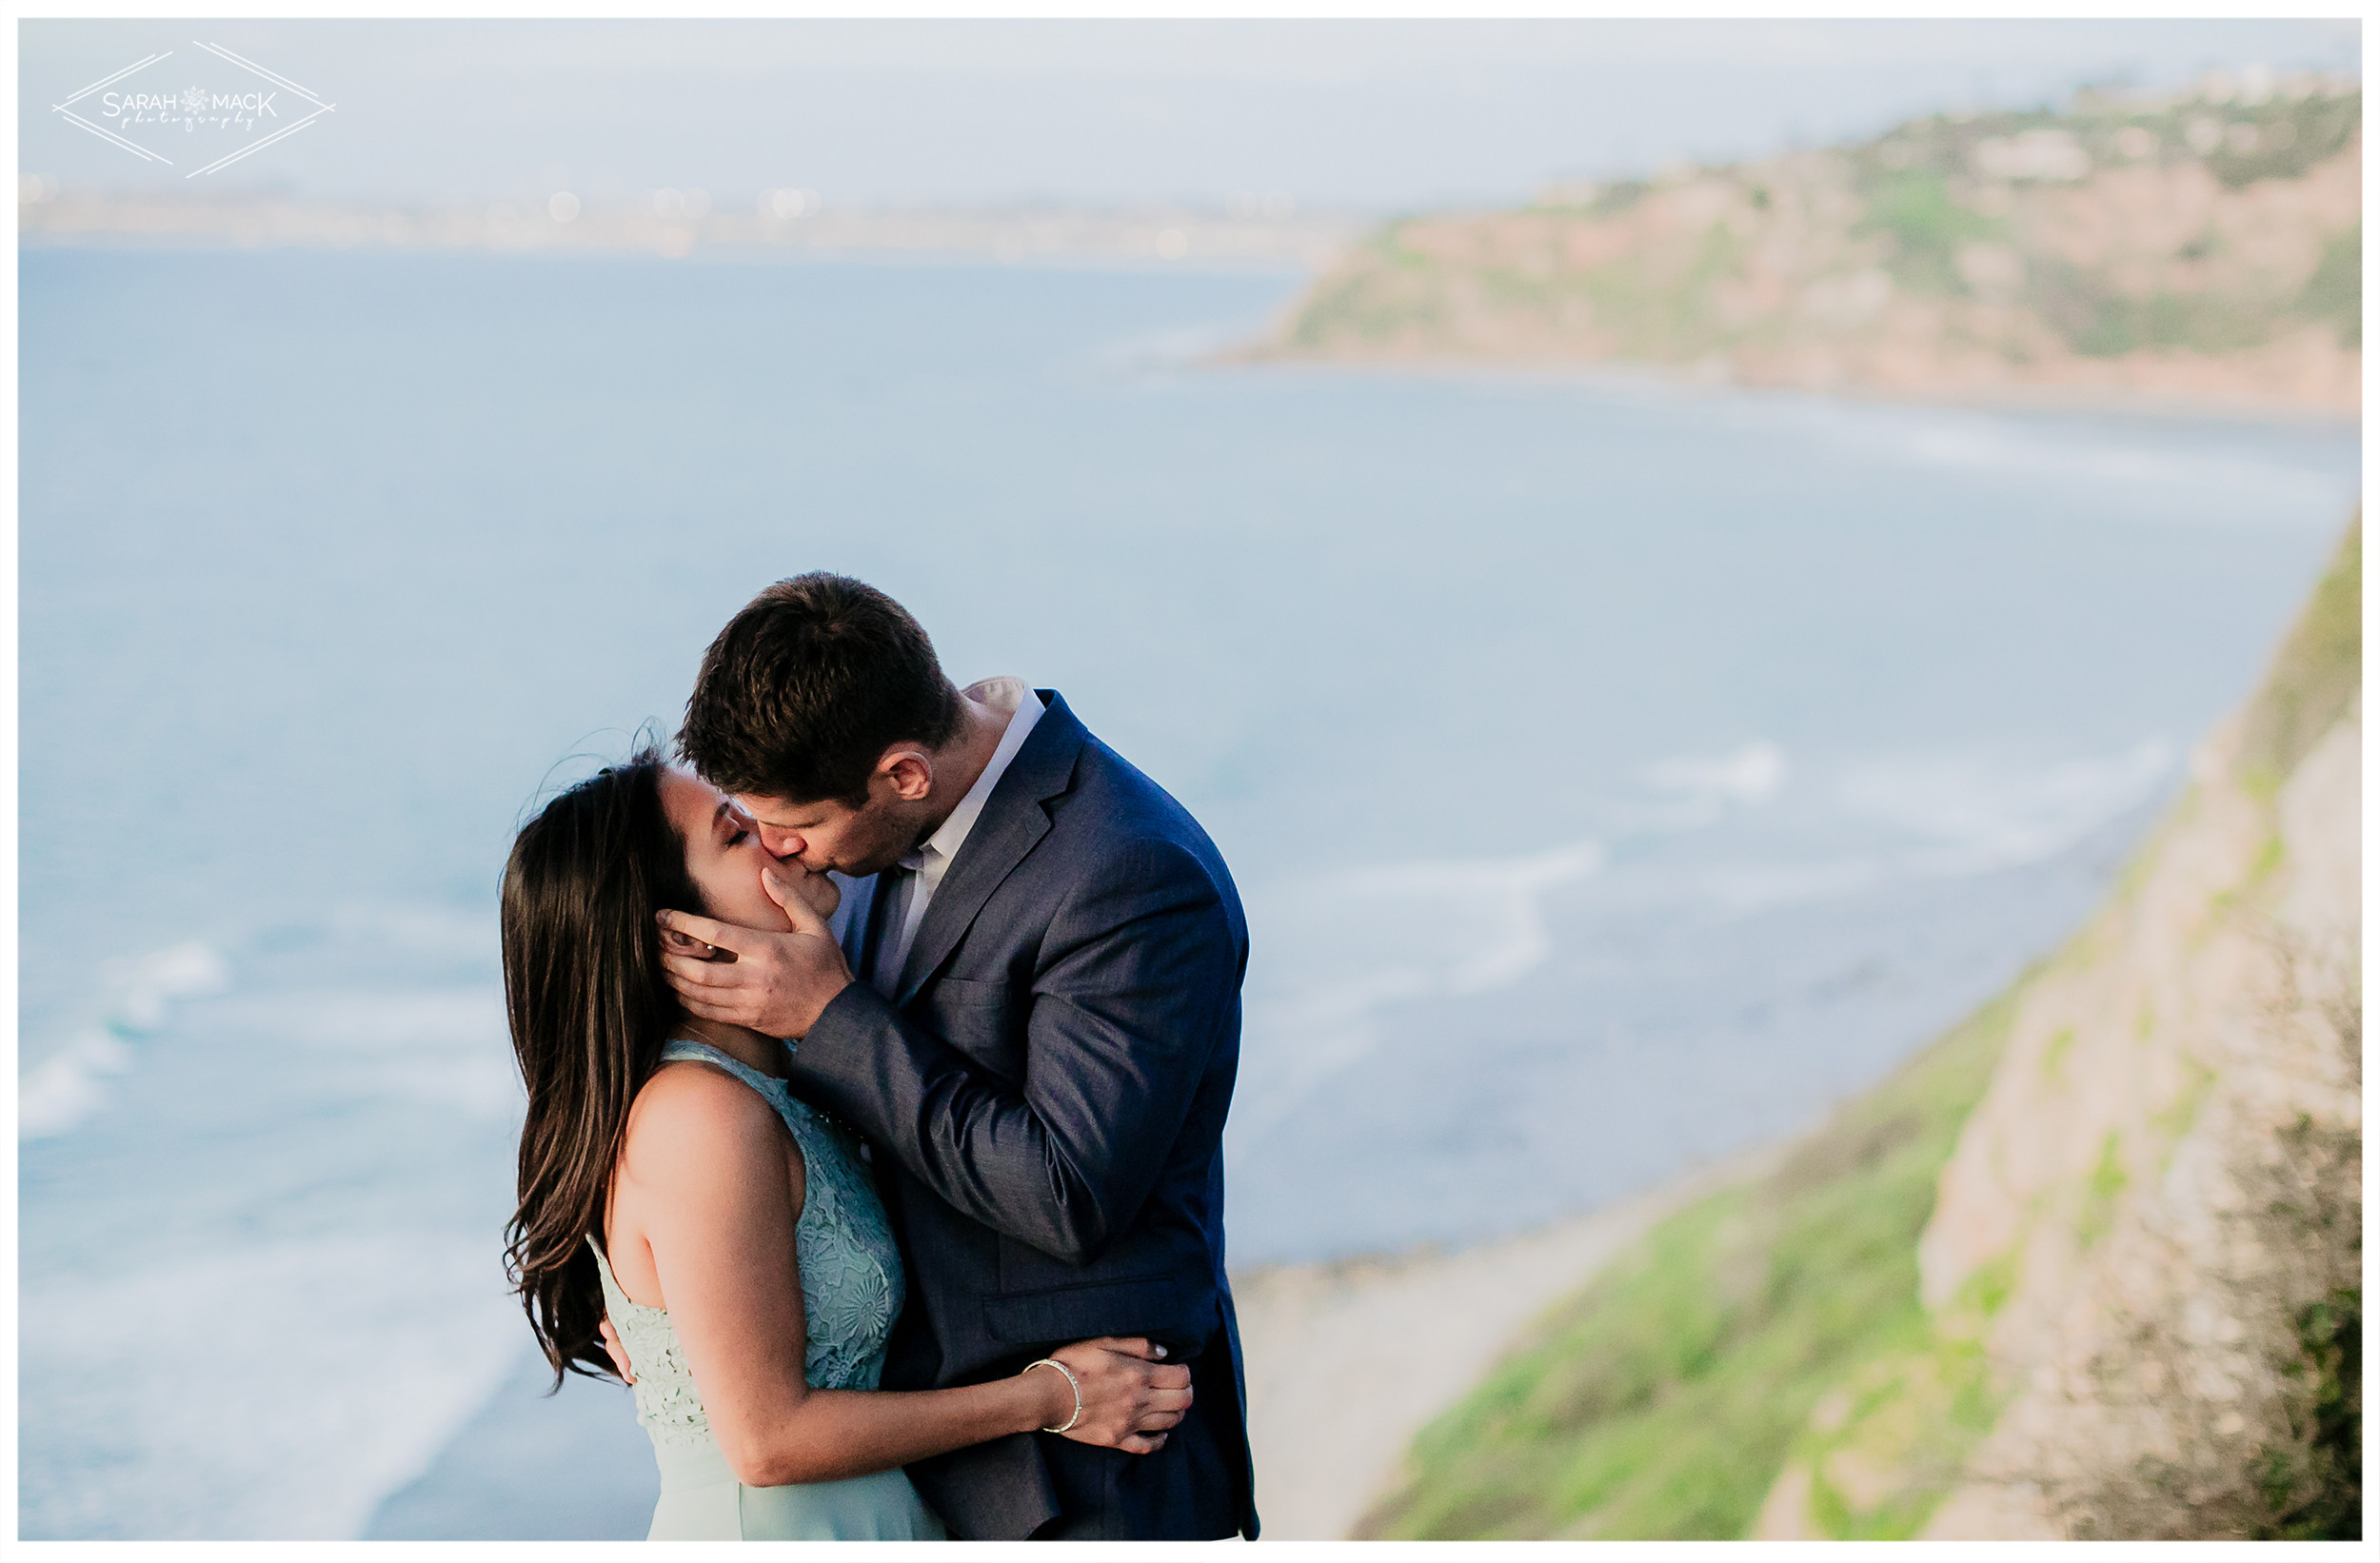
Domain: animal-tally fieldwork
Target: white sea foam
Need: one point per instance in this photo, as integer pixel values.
(1970, 816)
(2268, 486)
(1751, 775)
(416, 930)
(265, 1393)
(1986, 815)
(1993, 446)
(285, 1384)
(1339, 948)
(446, 1045)
(1165, 351)
(68, 1086)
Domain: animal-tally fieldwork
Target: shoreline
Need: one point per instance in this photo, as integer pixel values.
(1348, 1359)
(2045, 401)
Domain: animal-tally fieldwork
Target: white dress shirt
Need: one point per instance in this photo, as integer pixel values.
(914, 891)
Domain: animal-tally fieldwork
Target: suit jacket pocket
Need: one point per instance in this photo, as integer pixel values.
(967, 993)
(979, 1019)
(1150, 1305)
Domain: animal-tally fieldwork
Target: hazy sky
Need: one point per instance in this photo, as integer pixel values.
(1370, 116)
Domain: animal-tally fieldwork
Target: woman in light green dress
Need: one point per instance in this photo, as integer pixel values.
(733, 1234)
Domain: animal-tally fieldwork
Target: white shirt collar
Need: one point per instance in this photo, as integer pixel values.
(1017, 698)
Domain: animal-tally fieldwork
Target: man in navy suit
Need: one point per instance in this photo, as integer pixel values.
(1029, 1004)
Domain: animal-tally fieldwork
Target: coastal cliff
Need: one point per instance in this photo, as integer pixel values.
(2203, 249)
(2151, 1225)
(2089, 1266)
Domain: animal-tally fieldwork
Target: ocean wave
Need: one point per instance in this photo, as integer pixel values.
(1992, 815)
(2000, 447)
(277, 1392)
(2268, 488)
(446, 1045)
(65, 1088)
(1969, 817)
(1337, 953)
(315, 1301)
(1164, 351)
(437, 1038)
(1751, 775)
(1338, 949)
(417, 930)
(68, 1086)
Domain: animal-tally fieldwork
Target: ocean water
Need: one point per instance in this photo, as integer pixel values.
(1616, 775)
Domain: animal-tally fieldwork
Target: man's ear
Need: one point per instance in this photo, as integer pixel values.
(910, 771)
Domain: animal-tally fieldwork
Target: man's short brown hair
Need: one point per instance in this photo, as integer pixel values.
(806, 688)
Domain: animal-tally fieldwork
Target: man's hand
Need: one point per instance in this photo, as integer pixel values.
(777, 984)
(618, 1352)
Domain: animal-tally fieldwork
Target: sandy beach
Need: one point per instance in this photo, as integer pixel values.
(1347, 1361)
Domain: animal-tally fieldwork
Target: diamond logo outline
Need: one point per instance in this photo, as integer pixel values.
(66, 112)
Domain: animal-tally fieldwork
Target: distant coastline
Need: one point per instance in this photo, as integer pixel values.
(1526, 292)
(680, 228)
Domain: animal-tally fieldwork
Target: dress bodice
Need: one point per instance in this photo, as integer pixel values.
(852, 1284)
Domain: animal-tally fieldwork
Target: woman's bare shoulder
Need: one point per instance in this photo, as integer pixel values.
(690, 1120)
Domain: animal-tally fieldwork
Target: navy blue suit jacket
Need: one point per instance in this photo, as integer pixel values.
(1047, 1092)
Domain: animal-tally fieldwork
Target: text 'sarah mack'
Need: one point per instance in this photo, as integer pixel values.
(139, 106)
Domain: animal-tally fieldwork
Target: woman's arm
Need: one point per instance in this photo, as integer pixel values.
(715, 1179)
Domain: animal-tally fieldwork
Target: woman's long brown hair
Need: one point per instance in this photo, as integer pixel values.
(588, 1011)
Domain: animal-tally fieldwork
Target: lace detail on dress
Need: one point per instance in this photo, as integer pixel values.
(852, 1281)
(666, 1405)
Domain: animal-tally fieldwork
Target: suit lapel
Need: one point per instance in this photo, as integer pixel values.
(1013, 820)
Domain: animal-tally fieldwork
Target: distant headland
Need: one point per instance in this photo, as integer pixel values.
(2201, 249)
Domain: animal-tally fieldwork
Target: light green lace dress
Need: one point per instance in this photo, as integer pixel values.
(851, 1292)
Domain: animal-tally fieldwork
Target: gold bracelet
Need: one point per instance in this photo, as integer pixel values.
(1053, 1362)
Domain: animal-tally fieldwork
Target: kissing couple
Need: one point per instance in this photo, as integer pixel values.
(876, 1064)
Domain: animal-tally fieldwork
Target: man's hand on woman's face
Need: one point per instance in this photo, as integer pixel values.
(777, 985)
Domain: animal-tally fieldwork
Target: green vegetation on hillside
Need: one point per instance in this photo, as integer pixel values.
(1664, 1399)
(2335, 292)
(1919, 185)
(2240, 143)
(1937, 250)
(2315, 677)
(2283, 1461)
(1925, 225)
(1777, 1325)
